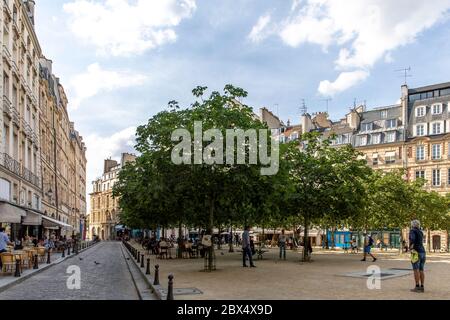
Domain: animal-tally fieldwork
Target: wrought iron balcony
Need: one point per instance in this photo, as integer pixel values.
(10, 164)
(6, 106)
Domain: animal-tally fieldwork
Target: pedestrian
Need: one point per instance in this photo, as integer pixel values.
(246, 248)
(4, 242)
(368, 244)
(418, 255)
(282, 245)
(354, 246)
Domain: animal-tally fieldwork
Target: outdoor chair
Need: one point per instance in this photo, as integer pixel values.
(8, 262)
(163, 250)
(41, 254)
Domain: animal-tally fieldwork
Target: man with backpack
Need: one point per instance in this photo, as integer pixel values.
(368, 244)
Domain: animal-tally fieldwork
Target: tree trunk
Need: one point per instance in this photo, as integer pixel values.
(429, 240)
(180, 241)
(306, 256)
(333, 244)
(230, 239)
(401, 241)
(211, 231)
(326, 239)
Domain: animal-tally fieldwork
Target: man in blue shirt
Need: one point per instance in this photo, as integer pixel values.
(416, 246)
(246, 248)
(4, 242)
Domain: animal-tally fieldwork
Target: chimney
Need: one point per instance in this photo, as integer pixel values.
(30, 8)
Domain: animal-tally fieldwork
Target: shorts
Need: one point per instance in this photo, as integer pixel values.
(420, 265)
(367, 249)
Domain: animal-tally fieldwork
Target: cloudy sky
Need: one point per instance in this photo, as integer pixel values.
(121, 61)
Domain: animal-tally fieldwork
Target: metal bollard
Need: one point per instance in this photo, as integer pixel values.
(68, 250)
(17, 274)
(36, 263)
(64, 252)
(142, 261)
(156, 282)
(148, 267)
(138, 257)
(48, 257)
(170, 291)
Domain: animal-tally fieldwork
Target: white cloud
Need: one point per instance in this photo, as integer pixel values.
(343, 82)
(364, 31)
(100, 148)
(96, 80)
(127, 27)
(258, 32)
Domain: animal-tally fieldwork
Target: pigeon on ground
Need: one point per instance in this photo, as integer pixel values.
(81, 259)
(96, 263)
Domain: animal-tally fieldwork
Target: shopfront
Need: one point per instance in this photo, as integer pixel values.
(11, 219)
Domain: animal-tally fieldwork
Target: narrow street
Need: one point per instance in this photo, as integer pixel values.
(104, 276)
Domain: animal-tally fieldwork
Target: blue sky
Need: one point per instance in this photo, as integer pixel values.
(121, 61)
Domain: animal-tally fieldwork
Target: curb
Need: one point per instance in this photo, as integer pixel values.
(157, 290)
(41, 269)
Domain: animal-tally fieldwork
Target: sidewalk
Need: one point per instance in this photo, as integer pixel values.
(293, 280)
(7, 281)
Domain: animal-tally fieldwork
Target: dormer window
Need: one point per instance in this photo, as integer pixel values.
(363, 140)
(436, 109)
(390, 124)
(391, 137)
(366, 127)
(420, 112)
(436, 128)
(384, 114)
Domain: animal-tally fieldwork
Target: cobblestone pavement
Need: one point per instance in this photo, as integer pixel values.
(108, 280)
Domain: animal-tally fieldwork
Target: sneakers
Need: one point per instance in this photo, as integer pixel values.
(253, 266)
(375, 259)
(363, 260)
(418, 290)
(245, 266)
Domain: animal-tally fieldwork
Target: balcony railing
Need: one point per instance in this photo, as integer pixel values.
(10, 164)
(15, 167)
(6, 105)
(6, 53)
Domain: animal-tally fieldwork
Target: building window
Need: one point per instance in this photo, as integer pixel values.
(436, 178)
(390, 124)
(376, 139)
(436, 128)
(384, 114)
(448, 176)
(420, 153)
(390, 158)
(375, 159)
(420, 130)
(436, 109)
(390, 137)
(366, 127)
(420, 174)
(420, 111)
(436, 152)
(363, 140)
(5, 190)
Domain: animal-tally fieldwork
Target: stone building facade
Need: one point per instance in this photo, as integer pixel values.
(105, 210)
(413, 135)
(42, 156)
(63, 155)
(20, 164)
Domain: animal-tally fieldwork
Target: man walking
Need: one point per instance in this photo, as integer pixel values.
(246, 248)
(282, 245)
(368, 243)
(418, 255)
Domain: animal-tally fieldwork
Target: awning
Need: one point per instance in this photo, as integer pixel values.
(390, 154)
(52, 224)
(32, 219)
(11, 214)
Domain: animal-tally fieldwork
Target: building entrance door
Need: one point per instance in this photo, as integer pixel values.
(437, 243)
